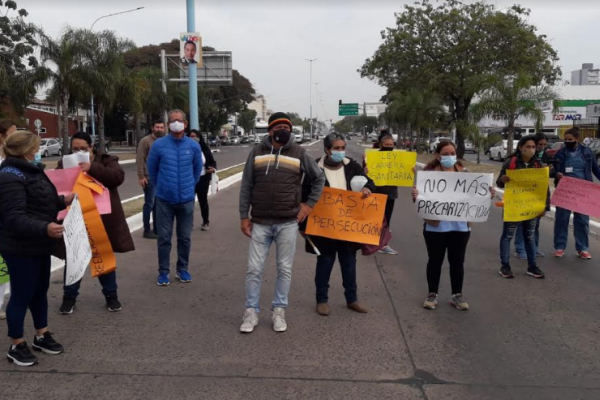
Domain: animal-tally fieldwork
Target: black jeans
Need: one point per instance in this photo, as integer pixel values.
(437, 244)
(29, 282)
(389, 210)
(323, 273)
(107, 281)
(202, 192)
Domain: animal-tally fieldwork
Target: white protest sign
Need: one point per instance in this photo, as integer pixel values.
(454, 196)
(73, 160)
(77, 243)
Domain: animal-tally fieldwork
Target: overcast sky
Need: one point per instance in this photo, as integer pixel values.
(271, 39)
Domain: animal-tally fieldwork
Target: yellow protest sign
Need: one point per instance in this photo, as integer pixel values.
(391, 168)
(345, 215)
(525, 194)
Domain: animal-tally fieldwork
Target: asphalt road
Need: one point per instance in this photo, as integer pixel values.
(521, 339)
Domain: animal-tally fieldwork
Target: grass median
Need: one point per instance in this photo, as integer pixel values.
(134, 207)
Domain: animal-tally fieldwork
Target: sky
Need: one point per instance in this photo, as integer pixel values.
(270, 40)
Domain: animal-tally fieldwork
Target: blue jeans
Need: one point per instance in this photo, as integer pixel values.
(325, 264)
(581, 225)
(508, 232)
(284, 235)
(108, 282)
(149, 207)
(166, 214)
(29, 283)
(520, 241)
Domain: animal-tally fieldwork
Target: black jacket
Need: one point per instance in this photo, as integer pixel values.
(210, 160)
(29, 202)
(326, 245)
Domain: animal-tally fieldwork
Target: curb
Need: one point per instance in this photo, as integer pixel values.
(594, 226)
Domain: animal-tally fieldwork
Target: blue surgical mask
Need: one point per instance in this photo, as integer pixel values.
(448, 161)
(338, 156)
(37, 158)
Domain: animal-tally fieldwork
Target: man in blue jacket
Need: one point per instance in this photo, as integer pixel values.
(174, 167)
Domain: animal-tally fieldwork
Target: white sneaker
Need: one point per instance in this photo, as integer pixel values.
(279, 324)
(250, 321)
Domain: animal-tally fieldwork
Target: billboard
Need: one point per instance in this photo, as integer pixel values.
(374, 109)
(190, 48)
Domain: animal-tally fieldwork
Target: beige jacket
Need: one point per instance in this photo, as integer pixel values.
(142, 155)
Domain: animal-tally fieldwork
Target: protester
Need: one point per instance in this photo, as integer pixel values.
(6, 128)
(541, 142)
(29, 205)
(339, 171)
(574, 161)
(445, 236)
(523, 158)
(386, 143)
(271, 187)
(105, 169)
(144, 146)
(210, 167)
(174, 167)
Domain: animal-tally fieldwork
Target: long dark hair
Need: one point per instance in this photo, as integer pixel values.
(435, 163)
(522, 141)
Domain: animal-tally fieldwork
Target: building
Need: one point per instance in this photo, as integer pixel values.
(587, 75)
(572, 108)
(260, 106)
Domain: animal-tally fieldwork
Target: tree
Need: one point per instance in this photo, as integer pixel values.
(19, 73)
(60, 59)
(246, 120)
(414, 108)
(457, 47)
(511, 98)
(103, 66)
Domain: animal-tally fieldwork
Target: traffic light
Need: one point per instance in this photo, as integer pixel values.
(340, 102)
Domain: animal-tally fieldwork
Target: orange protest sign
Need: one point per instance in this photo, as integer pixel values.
(103, 257)
(345, 215)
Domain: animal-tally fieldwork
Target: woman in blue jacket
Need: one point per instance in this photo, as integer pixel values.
(575, 161)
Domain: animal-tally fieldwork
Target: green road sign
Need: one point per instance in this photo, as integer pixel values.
(348, 109)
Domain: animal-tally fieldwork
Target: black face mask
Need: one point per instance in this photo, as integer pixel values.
(570, 145)
(282, 136)
(386, 149)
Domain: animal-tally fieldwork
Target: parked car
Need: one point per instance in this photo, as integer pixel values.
(436, 141)
(244, 140)
(321, 136)
(469, 147)
(50, 147)
(214, 141)
(234, 140)
(595, 147)
(499, 151)
(551, 152)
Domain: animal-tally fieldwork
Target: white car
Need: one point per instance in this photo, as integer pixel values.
(234, 140)
(469, 147)
(437, 141)
(298, 137)
(499, 151)
(50, 147)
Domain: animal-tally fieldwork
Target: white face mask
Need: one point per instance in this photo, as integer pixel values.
(176, 126)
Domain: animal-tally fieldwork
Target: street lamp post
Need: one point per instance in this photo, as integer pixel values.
(92, 28)
(310, 60)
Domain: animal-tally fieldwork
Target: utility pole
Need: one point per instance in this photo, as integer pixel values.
(310, 60)
(163, 68)
(192, 68)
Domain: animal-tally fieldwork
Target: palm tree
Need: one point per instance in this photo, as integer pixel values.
(104, 69)
(511, 98)
(63, 71)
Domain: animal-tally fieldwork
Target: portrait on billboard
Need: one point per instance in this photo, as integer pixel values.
(190, 48)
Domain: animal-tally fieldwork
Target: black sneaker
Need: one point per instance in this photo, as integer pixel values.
(150, 235)
(113, 304)
(21, 355)
(47, 344)
(536, 273)
(506, 272)
(67, 306)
